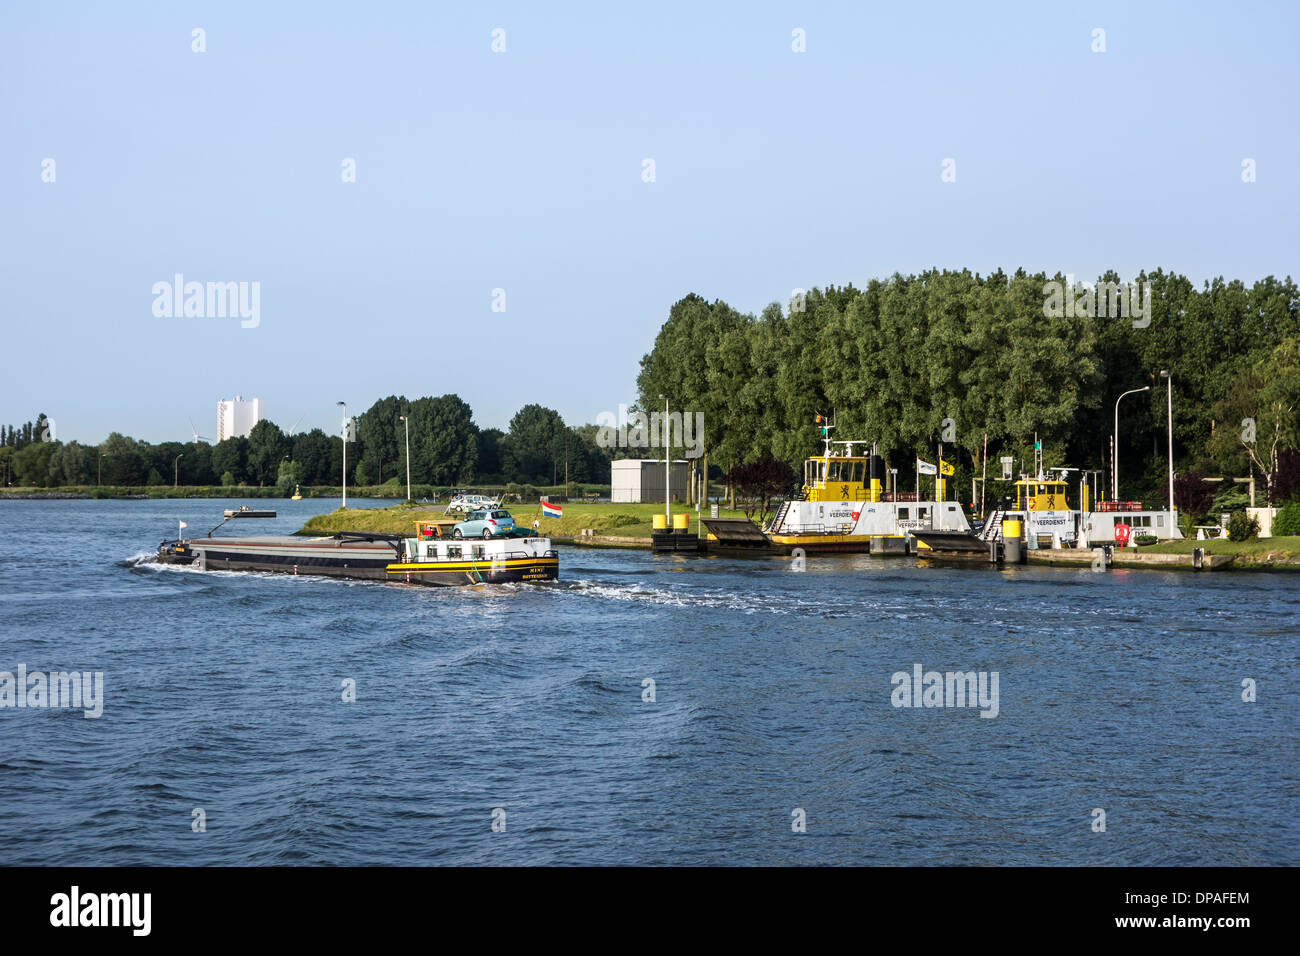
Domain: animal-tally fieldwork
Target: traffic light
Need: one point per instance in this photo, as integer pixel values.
(823, 428)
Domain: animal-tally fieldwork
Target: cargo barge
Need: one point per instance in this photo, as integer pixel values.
(429, 558)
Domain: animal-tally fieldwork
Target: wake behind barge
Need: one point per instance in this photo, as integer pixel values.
(428, 558)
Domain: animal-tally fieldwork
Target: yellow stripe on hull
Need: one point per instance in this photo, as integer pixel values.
(458, 566)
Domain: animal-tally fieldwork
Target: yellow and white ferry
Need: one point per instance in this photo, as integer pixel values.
(843, 506)
(1042, 518)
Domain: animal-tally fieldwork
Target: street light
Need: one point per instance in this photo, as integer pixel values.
(668, 461)
(176, 470)
(1114, 470)
(407, 422)
(345, 452)
(1169, 376)
(100, 482)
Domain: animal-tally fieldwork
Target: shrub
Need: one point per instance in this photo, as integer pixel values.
(1241, 527)
(1195, 495)
(1287, 519)
(1230, 498)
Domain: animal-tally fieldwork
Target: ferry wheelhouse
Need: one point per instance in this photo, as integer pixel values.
(842, 505)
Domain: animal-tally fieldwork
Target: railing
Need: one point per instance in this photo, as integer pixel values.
(1119, 506)
(992, 527)
(486, 558)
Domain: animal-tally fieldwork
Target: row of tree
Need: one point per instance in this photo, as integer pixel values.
(954, 357)
(19, 436)
(446, 448)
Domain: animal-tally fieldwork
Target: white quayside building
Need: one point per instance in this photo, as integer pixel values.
(641, 480)
(236, 417)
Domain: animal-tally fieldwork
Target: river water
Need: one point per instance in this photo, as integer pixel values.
(225, 739)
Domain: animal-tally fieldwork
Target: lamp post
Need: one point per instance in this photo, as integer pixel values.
(1114, 470)
(668, 461)
(100, 482)
(407, 422)
(345, 452)
(176, 470)
(1168, 376)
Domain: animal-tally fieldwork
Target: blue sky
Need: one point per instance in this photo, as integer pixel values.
(522, 171)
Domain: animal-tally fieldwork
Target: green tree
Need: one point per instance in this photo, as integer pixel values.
(535, 445)
(267, 446)
(491, 455)
(382, 433)
(444, 441)
(311, 453)
(231, 456)
(70, 465)
(124, 461)
(31, 463)
(288, 477)
(196, 466)
(1265, 403)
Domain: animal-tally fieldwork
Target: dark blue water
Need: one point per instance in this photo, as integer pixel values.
(1119, 691)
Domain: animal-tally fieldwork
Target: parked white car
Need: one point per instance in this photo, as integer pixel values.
(463, 504)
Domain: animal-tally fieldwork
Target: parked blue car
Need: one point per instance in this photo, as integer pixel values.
(484, 524)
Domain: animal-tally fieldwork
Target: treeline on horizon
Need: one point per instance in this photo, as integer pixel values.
(447, 448)
(890, 362)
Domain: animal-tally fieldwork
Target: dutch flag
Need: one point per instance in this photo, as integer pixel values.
(551, 511)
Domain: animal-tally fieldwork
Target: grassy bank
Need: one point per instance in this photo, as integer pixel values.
(1281, 552)
(624, 520)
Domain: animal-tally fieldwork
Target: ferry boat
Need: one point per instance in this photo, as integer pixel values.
(842, 506)
(1041, 518)
(1047, 520)
(431, 557)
